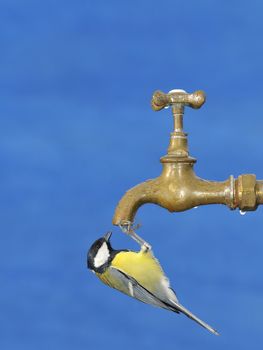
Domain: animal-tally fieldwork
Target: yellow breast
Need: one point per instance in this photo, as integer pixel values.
(142, 266)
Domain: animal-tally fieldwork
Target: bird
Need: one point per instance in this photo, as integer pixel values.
(137, 274)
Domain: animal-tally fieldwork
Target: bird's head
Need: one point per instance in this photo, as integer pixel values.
(100, 254)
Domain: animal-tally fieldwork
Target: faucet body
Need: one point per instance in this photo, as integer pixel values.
(178, 188)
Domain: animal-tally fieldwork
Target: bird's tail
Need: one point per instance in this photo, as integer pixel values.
(189, 314)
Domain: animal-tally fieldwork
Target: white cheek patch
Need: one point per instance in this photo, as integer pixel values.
(102, 256)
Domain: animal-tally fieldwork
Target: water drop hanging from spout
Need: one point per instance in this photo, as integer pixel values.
(242, 212)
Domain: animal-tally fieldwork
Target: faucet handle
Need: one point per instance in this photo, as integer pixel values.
(161, 100)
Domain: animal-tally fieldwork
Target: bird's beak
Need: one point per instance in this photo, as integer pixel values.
(107, 236)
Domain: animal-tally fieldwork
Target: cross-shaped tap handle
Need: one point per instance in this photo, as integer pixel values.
(181, 97)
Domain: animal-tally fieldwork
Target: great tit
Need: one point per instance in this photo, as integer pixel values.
(137, 274)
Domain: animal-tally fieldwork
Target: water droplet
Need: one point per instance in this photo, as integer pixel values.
(195, 207)
(242, 212)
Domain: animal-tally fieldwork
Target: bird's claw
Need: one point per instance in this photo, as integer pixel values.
(146, 247)
(128, 227)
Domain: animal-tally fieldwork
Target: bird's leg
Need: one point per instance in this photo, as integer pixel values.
(128, 228)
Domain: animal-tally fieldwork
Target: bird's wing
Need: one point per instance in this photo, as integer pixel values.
(147, 272)
(131, 287)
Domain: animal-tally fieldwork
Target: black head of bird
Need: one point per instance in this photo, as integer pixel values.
(100, 254)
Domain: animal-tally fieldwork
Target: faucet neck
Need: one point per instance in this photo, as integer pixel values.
(178, 147)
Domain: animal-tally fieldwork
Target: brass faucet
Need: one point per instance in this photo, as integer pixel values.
(178, 188)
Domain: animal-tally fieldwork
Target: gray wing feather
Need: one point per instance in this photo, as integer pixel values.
(132, 288)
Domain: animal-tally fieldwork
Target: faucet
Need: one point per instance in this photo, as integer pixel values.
(178, 188)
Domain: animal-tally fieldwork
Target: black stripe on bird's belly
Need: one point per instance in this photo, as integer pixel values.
(166, 305)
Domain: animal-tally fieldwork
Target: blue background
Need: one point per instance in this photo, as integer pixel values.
(77, 131)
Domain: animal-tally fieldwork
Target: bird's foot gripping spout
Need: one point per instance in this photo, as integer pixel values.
(129, 228)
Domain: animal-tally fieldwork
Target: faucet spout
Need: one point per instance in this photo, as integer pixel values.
(179, 189)
(133, 199)
(176, 189)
